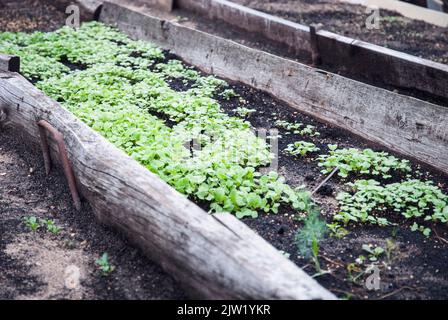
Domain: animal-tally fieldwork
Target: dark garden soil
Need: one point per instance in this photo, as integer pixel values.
(38, 264)
(41, 265)
(396, 32)
(29, 15)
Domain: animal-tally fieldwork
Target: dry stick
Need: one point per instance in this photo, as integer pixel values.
(325, 180)
(396, 291)
(65, 162)
(439, 237)
(315, 54)
(332, 261)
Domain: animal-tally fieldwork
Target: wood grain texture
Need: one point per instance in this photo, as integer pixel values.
(9, 63)
(354, 57)
(213, 256)
(406, 125)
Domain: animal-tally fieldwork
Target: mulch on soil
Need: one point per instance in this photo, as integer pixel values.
(396, 32)
(30, 15)
(37, 264)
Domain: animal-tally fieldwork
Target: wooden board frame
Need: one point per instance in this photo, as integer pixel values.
(354, 57)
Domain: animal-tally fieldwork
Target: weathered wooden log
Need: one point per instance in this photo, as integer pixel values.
(213, 256)
(404, 124)
(376, 64)
(9, 63)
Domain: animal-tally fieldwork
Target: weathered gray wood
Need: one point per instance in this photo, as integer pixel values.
(374, 63)
(407, 125)
(295, 36)
(9, 63)
(212, 256)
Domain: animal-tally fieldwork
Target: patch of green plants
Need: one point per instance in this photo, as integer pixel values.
(176, 69)
(369, 202)
(42, 54)
(228, 94)
(301, 148)
(297, 128)
(32, 223)
(337, 231)
(364, 161)
(244, 112)
(120, 90)
(374, 252)
(416, 227)
(50, 226)
(104, 264)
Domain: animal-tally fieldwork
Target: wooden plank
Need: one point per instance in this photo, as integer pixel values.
(295, 36)
(213, 257)
(9, 63)
(376, 64)
(372, 62)
(404, 124)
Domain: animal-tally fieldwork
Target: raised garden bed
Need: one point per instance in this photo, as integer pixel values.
(124, 95)
(397, 32)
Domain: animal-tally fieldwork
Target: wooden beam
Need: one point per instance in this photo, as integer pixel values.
(213, 256)
(9, 63)
(404, 124)
(376, 64)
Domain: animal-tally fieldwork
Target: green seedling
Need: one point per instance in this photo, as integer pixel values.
(51, 226)
(244, 112)
(301, 148)
(308, 238)
(391, 247)
(228, 94)
(426, 231)
(374, 252)
(337, 231)
(32, 223)
(297, 128)
(104, 265)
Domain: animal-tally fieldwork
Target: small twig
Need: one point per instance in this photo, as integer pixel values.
(344, 292)
(325, 180)
(439, 237)
(395, 292)
(332, 261)
(44, 126)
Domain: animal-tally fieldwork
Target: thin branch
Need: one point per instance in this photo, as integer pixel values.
(325, 180)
